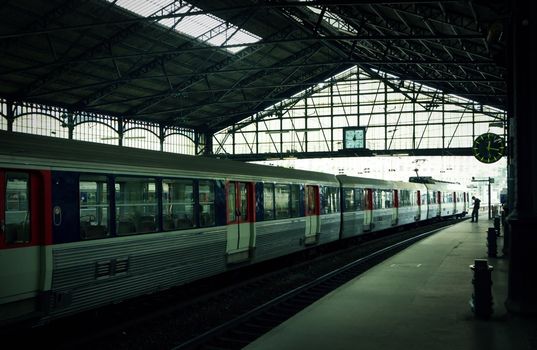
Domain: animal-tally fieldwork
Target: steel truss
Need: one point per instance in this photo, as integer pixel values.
(400, 116)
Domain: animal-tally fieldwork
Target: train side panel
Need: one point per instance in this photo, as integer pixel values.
(279, 237)
(94, 273)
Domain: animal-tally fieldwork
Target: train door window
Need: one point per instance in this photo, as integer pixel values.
(239, 203)
(136, 205)
(282, 194)
(368, 200)
(349, 199)
(359, 198)
(16, 221)
(268, 201)
(311, 200)
(206, 203)
(295, 200)
(243, 202)
(377, 199)
(94, 206)
(385, 200)
(177, 204)
(336, 201)
(232, 203)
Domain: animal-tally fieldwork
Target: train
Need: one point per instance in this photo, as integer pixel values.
(84, 225)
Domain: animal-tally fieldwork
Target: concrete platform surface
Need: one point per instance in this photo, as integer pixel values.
(418, 299)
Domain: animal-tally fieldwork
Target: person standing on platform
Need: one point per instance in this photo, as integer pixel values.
(475, 211)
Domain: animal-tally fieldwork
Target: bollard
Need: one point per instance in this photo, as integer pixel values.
(481, 302)
(491, 242)
(497, 226)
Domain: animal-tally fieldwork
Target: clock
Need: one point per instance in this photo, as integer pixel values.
(488, 148)
(353, 138)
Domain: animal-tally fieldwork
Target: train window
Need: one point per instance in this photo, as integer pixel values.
(413, 198)
(382, 199)
(136, 205)
(206, 203)
(282, 195)
(268, 201)
(295, 193)
(359, 198)
(431, 197)
(330, 200)
(17, 208)
(404, 198)
(388, 198)
(94, 206)
(349, 198)
(177, 204)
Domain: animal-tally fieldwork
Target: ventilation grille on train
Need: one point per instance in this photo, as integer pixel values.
(111, 268)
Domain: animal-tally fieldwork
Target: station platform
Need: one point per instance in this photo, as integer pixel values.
(418, 299)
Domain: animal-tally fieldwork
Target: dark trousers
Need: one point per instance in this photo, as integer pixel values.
(475, 213)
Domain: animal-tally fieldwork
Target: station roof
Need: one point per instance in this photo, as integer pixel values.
(99, 56)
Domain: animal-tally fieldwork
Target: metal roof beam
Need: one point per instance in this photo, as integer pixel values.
(141, 70)
(213, 11)
(82, 59)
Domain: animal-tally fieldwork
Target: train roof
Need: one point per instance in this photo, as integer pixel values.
(446, 186)
(364, 181)
(57, 153)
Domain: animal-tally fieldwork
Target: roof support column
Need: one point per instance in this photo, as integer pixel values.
(522, 290)
(203, 143)
(120, 132)
(70, 124)
(10, 114)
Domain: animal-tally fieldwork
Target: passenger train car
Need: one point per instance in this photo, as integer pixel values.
(84, 225)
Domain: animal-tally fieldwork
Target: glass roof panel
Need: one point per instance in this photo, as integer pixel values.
(203, 27)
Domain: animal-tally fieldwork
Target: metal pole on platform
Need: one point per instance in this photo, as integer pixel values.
(490, 214)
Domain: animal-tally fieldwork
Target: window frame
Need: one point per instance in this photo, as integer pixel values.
(111, 208)
(30, 216)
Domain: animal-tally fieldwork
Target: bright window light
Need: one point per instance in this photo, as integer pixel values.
(334, 20)
(204, 27)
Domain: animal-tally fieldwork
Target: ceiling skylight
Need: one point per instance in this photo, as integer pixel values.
(203, 27)
(334, 20)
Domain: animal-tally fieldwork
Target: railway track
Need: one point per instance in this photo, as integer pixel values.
(243, 329)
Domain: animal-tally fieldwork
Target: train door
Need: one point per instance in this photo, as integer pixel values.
(455, 205)
(395, 209)
(418, 203)
(240, 221)
(368, 214)
(439, 199)
(20, 230)
(312, 214)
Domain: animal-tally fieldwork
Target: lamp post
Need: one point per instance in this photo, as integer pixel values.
(490, 180)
